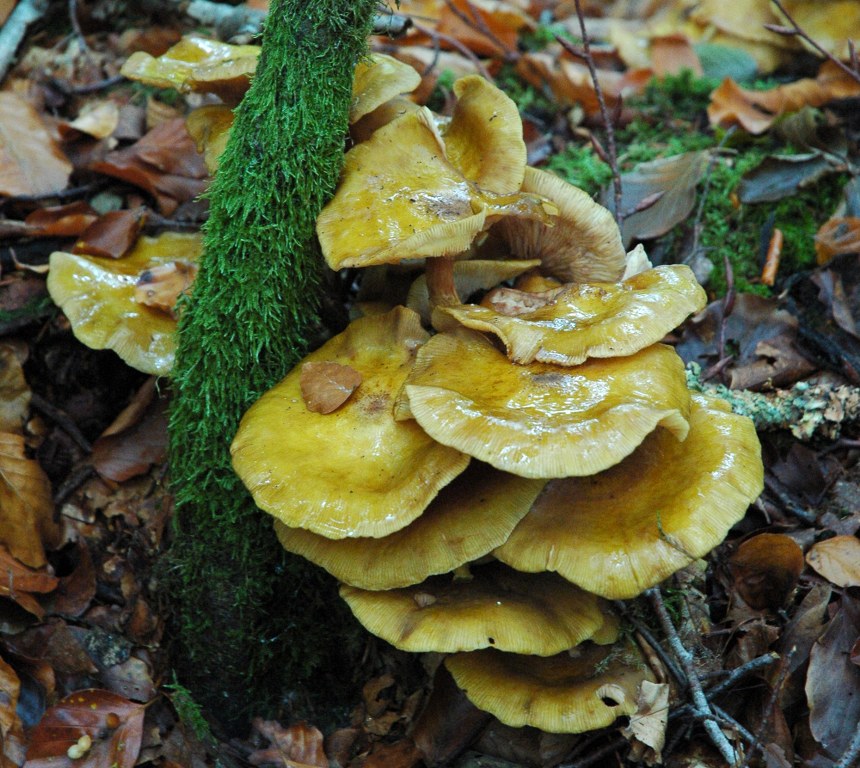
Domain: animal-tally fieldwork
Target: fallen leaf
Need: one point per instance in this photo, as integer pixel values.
(14, 392)
(31, 162)
(765, 569)
(837, 560)
(27, 526)
(97, 119)
(112, 235)
(12, 742)
(162, 285)
(646, 730)
(781, 176)
(61, 220)
(297, 745)
(113, 724)
(327, 386)
(833, 682)
(837, 236)
(672, 54)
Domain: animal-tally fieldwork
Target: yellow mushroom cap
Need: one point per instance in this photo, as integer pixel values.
(567, 693)
(583, 245)
(485, 136)
(356, 471)
(197, 64)
(98, 296)
(592, 319)
(496, 607)
(378, 79)
(620, 532)
(542, 420)
(470, 517)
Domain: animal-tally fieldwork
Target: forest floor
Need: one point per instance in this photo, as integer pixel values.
(735, 148)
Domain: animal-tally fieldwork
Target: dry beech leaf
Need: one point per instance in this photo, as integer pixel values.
(14, 392)
(837, 560)
(31, 162)
(327, 386)
(61, 220)
(113, 724)
(836, 236)
(161, 286)
(765, 570)
(26, 507)
(98, 119)
(12, 740)
(112, 235)
(298, 745)
(646, 730)
(19, 583)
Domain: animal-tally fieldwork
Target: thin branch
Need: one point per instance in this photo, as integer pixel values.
(701, 708)
(76, 27)
(62, 420)
(13, 31)
(784, 669)
(454, 42)
(800, 32)
(475, 21)
(604, 112)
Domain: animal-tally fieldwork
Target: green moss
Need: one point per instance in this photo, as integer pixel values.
(581, 166)
(253, 626)
(527, 98)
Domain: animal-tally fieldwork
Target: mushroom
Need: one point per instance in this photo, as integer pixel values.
(583, 690)
(497, 607)
(106, 301)
(470, 517)
(542, 420)
(626, 529)
(355, 471)
(585, 320)
(378, 79)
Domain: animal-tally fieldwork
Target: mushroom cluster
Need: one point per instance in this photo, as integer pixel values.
(483, 477)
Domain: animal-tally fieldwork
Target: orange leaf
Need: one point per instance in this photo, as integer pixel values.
(62, 220)
(837, 560)
(11, 729)
(113, 724)
(765, 569)
(31, 162)
(298, 745)
(14, 392)
(18, 583)
(26, 507)
(327, 386)
(112, 235)
(161, 286)
(836, 236)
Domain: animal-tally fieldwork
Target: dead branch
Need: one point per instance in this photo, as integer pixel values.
(12, 32)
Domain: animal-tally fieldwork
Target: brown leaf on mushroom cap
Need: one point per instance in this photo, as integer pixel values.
(162, 285)
(373, 483)
(210, 126)
(592, 319)
(197, 64)
(378, 79)
(326, 386)
(470, 517)
(497, 607)
(628, 528)
(583, 245)
(99, 298)
(542, 420)
(569, 693)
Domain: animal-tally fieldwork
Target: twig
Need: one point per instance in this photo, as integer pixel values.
(604, 112)
(75, 479)
(706, 190)
(701, 708)
(797, 30)
(13, 31)
(649, 638)
(62, 421)
(759, 662)
(76, 27)
(784, 669)
(849, 757)
(454, 42)
(476, 22)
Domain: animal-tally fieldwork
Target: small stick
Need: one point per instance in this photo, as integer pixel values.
(13, 31)
(771, 261)
(604, 112)
(453, 41)
(62, 421)
(76, 26)
(476, 22)
(784, 669)
(701, 708)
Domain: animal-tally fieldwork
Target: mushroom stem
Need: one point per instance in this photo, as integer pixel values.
(441, 289)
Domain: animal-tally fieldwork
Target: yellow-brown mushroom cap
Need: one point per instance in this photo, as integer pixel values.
(471, 516)
(197, 64)
(378, 79)
(592, 319)
(542, 420)
(98, 296)
(584, 691)
(497, 607)
(356, 471)
(583, 245)
(630, 527)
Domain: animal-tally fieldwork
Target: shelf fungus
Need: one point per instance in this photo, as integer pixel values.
(127, 304)
(355, 471)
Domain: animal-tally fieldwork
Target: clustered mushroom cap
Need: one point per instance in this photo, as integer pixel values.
(583, 245)
(587, 689)
(469, 518)
(378, 79)
(98, 296)
(626, 529)
(591, 319)
(197, 64)
(542, 420)
(497, 607)
(378, 474)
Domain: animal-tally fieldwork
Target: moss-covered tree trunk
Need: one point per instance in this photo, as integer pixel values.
(250, 624)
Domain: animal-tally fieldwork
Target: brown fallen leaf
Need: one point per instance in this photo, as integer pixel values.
(161, 286)
(836, 236)
(27, 526)
(107, 730)
(837, 560)
(97, 119)
(61, 220)
(298, 746)
(765, 570)
(646, 730)
(112, 235)
(12, 741)
(327, 386)
(19, 583)
(14, 392)
(31, 161)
